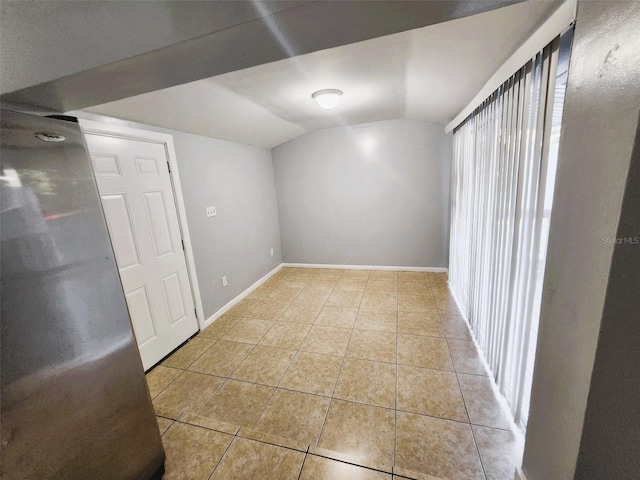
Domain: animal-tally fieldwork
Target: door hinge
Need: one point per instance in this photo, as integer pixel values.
(168, 166)
(196, 312)
(182, 240)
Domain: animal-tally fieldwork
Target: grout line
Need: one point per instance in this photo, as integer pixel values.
(335, 385)
(347, 462)
(266, 404)
(169, 384)
(303, 462)
(464, 402)
(395, 409)
(279, 380)
(222, 456)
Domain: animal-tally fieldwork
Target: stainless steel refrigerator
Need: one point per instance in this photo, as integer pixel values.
(74, 400)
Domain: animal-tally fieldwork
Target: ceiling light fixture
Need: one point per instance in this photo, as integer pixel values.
(327, 99)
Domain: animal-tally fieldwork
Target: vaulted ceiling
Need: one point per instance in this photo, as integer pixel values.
(426, 74)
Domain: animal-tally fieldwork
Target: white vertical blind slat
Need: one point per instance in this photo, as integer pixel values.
(499, 190)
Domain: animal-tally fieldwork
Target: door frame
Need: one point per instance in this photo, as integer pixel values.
(165, 139)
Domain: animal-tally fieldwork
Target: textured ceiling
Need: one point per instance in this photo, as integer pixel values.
(426, 74)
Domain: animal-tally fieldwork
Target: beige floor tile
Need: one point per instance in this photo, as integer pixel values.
(500, 451)
(210, 423)
(314, 296)
(273, 282)
(372, 345)
(327, 340)
(286, 335)
(324, 282)
(238, 403)
(414, 288)
(284, 294)
(352, 284)
(375, 300)
(320, 468)
(378, 320)
(431, 407)
(269, 309)
(337, 316)
(455, 327)
(416, 303)
(273, 439)
(345, 298)
(441, 277)
(483, 402)
(330, 272)
(448, 306)
(421, 351)
(296, 282)
(166, 412)
(383, 275)
(368, 382)
(248, 459)
(384, 285)
(189, 392)
(466, 358)
(416, 277)
(192, 452)
(219, 327)
(294, 415)
(243, 308)
(437, 447)
(363, 432)
(221, 359)
(420, 323)
(301, 313)
(312, 373)
(248, 330)
(430, 392)
(261, 292)
(265, 365)
(160, 377)
(302, 271)
(442, 293)
(163, 424)
(188, 353)
(359, 274)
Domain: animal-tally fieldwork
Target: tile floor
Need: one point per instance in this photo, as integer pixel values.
(334, 374)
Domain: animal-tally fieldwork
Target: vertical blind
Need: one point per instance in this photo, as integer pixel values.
(502, 188)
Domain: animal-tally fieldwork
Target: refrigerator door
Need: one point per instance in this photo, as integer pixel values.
(75, 403)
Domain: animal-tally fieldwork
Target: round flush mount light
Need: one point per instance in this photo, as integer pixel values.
(327, 99)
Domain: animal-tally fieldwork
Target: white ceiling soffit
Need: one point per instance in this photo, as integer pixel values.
(427, 74)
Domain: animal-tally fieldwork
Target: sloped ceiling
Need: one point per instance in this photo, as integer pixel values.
(426, 74)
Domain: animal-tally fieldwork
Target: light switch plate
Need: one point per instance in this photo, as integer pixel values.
(224, 281)
(211, 212)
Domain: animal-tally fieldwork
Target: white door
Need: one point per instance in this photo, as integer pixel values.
(137, 197)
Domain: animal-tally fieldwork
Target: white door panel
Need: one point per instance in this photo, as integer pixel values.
(137, 197)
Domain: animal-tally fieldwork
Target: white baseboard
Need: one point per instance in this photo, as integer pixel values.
(367, 267)
(221, 311)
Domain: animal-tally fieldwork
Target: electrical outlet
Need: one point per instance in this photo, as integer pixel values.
(224, 281)
(272, 252)
(211, 212)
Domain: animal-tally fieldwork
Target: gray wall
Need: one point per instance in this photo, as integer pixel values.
(372, 194)
(598, 130)
(238, 180)
(611, 433)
